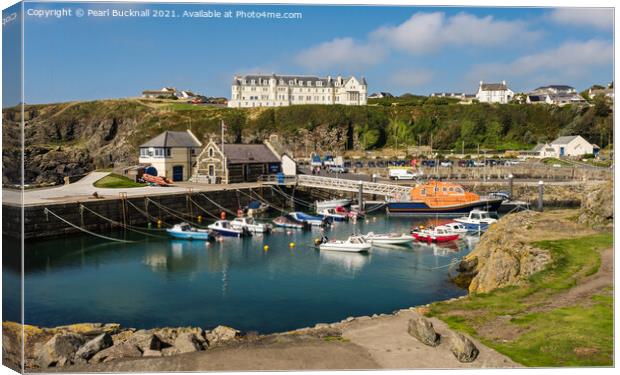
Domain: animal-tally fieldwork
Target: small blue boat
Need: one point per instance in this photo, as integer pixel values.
(310, 219)
(187, 232)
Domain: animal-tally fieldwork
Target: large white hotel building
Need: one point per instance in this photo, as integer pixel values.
(275, 91)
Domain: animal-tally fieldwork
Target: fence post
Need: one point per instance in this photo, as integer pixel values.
(540, 195)
(360, 195)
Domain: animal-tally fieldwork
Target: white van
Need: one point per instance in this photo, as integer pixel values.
(401, 174)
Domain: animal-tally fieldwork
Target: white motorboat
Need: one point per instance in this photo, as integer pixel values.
(332, 213)
(224, 228)
(456, 227)
(353, 244)
(477, 221)
(250, 224)
(388, 238)
(333, 203)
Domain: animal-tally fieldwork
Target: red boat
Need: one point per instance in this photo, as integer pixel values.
(438, 234)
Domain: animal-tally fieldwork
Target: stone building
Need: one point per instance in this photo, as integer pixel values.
(172, 153)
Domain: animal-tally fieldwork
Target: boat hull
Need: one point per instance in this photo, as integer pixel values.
(438, 239)
(475, 227)
(346, 249)
(191, 235)
(227, 232)
(414, 208)
(391, 241)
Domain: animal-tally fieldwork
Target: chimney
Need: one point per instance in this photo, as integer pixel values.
(480, 83)
(504, 83)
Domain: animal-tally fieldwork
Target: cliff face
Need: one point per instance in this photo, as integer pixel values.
(504, 256)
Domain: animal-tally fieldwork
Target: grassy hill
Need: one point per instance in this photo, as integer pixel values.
(67, 138)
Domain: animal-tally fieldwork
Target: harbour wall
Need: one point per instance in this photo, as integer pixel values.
(39, 222)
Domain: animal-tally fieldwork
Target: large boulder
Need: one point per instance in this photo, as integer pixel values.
(221, 334)
(422, 329)
(463, 348)
(94, 346)
(504, 255)
(59, 350)
(187, 343)
(597, 205)
(122, 350)
(146, 340)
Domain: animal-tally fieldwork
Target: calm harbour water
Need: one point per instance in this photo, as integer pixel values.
(164, 282)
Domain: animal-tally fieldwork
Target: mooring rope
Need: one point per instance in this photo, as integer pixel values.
(148, 216)
(219, 205)
(47, 210)
(179, 215)
(296, 200)
(203, 209)
(126, 226)
(263, 200)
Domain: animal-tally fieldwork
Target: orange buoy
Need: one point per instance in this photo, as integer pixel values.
(239, 213)
(223, 215)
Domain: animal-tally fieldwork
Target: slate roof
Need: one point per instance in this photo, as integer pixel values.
(493, 87)
(173, 139)
(260, 79)
(249, 153)
(556, 87)
(564, 140)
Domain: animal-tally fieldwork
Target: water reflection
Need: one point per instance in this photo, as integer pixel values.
(235, 282)
(350, 263)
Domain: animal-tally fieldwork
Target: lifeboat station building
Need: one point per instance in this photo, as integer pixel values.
(240, 163)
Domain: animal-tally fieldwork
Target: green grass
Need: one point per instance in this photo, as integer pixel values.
(580, 335)
(188, 107)
(552, 161)
(115, 181)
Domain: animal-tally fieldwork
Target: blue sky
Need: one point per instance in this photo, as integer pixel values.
(398, 49)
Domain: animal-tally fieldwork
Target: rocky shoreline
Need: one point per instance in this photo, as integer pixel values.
(87, 344)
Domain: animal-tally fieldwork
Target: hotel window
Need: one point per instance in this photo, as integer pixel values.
(253, 82)
(308, 97)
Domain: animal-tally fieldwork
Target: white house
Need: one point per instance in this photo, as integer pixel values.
(380, 95)
(555, 99)
(572, 145)
(494, 93)
(276, 91)
(554, 90)
(172, 153)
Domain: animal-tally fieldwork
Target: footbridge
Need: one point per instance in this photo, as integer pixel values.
(391, 191)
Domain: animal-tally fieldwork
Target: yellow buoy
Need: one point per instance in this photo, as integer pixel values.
(292, 244)
(266, 247)
(199, 218)
(158, 223)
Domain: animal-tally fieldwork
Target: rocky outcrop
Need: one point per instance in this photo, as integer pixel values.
(94, 346)
(97, 343)
(597, 205)
(60, 350)
(504, 255)
(463, 348)
(422, 329)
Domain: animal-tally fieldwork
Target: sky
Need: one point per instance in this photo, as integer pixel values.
(398, 49)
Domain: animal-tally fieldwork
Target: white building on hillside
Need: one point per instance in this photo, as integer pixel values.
(276, 91)
(494, 93)
(572, 145)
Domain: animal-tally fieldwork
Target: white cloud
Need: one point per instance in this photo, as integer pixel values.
(427, 32)
(340, 52)
(569, 61)
(599, 18)
(410, 78)
(423, 32)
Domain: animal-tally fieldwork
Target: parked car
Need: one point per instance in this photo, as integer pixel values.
(478, 163)
(446, 163)
(337, 169)
(381, 164)
(359, 164)
(372, 164)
